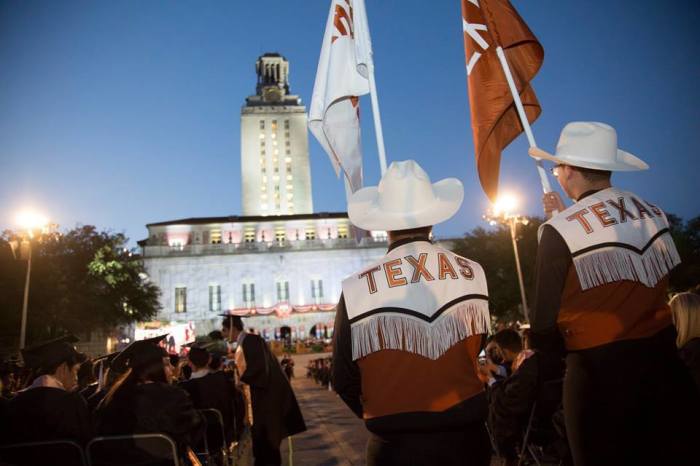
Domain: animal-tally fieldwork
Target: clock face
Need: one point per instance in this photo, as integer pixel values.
(272, 94)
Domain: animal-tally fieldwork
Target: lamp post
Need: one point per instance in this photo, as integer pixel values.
(30, 223)
(501, 213)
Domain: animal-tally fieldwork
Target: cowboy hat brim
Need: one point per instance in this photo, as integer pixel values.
(365, 211)
(626, 162)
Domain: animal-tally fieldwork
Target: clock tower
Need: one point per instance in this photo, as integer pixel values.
(276, 177)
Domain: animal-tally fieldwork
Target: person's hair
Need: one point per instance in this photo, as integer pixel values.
(86, 374)
(216, 335)
(236, 321)
(420, 231)
(199, 357)
(594, 176)
(216, 361)
(151, 372)
(70, 360)
(685, 309)
(186, 372)
(509, 339)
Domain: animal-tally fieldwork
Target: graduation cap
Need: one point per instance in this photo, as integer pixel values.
(106, 362)
(140, 353)
(45, 355)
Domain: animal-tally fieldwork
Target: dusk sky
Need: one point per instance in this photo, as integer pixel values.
(123, 113)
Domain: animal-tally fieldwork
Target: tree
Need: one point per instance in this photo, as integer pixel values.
(493, 249)
(81, 281)
(687, 238)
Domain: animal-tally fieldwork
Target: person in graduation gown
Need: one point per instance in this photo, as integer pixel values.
(50, 408)
(275, 412)
(213, 390)
(143, 401)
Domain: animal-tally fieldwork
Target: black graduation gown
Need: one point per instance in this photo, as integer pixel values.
(46, 413)
(218, 391)
(151, 408)
(88, 391)
(276, 414)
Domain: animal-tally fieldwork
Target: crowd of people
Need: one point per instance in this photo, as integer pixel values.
(60, 394)
(319, 369)
(606, 373)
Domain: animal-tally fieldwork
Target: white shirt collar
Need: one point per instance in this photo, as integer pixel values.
(199, 374)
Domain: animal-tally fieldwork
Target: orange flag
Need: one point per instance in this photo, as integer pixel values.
(488, 25)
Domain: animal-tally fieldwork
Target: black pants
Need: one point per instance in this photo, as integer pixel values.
(264, 451)
(631, 403)
(468, 447)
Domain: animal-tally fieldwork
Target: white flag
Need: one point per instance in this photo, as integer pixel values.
(341, 77)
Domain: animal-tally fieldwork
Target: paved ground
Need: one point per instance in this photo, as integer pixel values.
(335, 437)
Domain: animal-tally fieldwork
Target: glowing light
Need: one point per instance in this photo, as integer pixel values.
(31, 220)
(505, 204)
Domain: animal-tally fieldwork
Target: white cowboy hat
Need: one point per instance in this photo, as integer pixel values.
(589, 144)
(405, 199)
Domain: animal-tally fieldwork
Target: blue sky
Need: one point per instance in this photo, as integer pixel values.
(123, 113)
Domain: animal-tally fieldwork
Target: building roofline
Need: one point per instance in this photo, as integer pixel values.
(248, 218)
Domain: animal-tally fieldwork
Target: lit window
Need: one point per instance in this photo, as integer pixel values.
(263, 196)
(274, 143)
(276, 177)
(290, 196)
(274, 136)
(181, 299)
(310, 233)
(249, 236)
(263, 187)
(262, 135)
(288, 160)
(283, 291)
(277, 196)
(276, 151)
(263, 206)
(249, 294)
(215, 237)
(342, 231)
(289, 187)
(264, 178)
(317, 289)
(214, 298)
(274, 124)
(280, 236)
(289, 177)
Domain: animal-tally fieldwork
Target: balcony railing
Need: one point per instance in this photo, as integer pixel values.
(251, 248)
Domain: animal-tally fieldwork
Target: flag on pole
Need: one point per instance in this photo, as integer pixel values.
(341, 78)
(488, 25)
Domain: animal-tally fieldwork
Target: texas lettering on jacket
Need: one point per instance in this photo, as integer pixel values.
(401, 271)
(613, 211)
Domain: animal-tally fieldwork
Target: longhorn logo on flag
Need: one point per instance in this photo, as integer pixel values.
(489, 25)
(341, 77)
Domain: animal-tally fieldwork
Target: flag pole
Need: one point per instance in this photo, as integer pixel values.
(377, 118)
(546, 186)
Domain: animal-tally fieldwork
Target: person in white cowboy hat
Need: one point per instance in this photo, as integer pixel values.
(601, 288)
(409, 328)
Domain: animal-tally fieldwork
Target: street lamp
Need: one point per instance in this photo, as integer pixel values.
(502, 213)
(30, 223)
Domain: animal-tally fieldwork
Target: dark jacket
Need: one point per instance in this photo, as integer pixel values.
(511, 399)
(46, 413)
(275, 408)
(218, 391)
(151, 408)
(690, 354)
